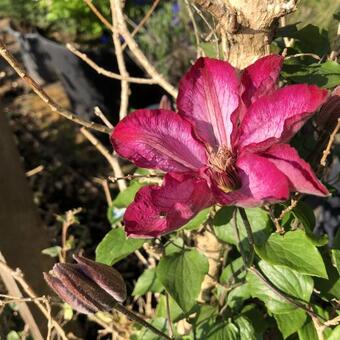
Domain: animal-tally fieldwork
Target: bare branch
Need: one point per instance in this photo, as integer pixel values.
(43, 95)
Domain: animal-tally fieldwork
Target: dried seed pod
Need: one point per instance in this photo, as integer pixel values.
(104, 276)
(87, 286)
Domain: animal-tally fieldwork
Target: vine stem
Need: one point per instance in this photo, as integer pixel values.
(287, 298)
(134, 317)
(250, 235)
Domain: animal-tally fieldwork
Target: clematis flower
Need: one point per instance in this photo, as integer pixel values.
(227, 144)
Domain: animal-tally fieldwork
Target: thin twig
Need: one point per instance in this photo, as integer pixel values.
(25, 312)
(117, 171)
(293, 203)
(327, 151)
(250, 235)
(18, 276)
(43, 95)
(138, 319)
(105, 72)
(194, 24)
(137, 52)
(132, 176)
(315, 56)
(124, 84)
(95, 10)
(99, 113)
(168, 315)
(143, 21)
(279, 293)
(237, 233)
(35, 171)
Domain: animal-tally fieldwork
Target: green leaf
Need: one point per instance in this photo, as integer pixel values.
(336, 258)
(146, 334)
(335, 335)
(257, 317)
(235, 267)
(290, 323)
(175, 246)
(308, 332)
(182, 275)
(13, 335)
(326, 74)
(211, 49)
(68, 312)
(115, 246)
(222, 331)
(294, 250)
(286, 280)
(259, 220)
(305, 214)
(52, 251)
(246, 329)
(126, 197)
(198, 220)
(147, 282)
(311, 39)
(176, 312)
(238, 295)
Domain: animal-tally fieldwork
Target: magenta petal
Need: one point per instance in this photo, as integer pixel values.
(299, 173)
(158, 139)
(261, 182)
(260, 78)
(209, 98)
(158, 210)
(279, 116)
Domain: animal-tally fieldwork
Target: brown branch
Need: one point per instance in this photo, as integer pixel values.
(279, 293)
(43, 95)
(117, 171)
(143, 21)
(125, 87)
(18, 276)
(137, 52)
(327, 151)
(107, 73)
(23, 309)
(97, 13)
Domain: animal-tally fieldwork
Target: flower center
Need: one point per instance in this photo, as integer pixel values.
(222, 169)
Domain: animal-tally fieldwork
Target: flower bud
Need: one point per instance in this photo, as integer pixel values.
(87, 286)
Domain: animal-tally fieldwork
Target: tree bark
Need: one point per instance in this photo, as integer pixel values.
(246, 26)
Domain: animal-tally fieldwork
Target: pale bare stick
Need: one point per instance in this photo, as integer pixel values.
(34, 171)
(18, 276)
(137, 52)
(125, 87)
(194, 24)
(99, 113)
(95, 10)
(15, 292)
(144, 20)
(103, 182)
(107, 73)
(44, 96)
(112, 160)
(298, 55)
(327, 151)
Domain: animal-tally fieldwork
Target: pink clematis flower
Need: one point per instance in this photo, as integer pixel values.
(227, 144)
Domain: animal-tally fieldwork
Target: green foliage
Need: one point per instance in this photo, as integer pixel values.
(115, 246)
(285, 280)
(182, 274)
(147, 282)
(293, 250)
